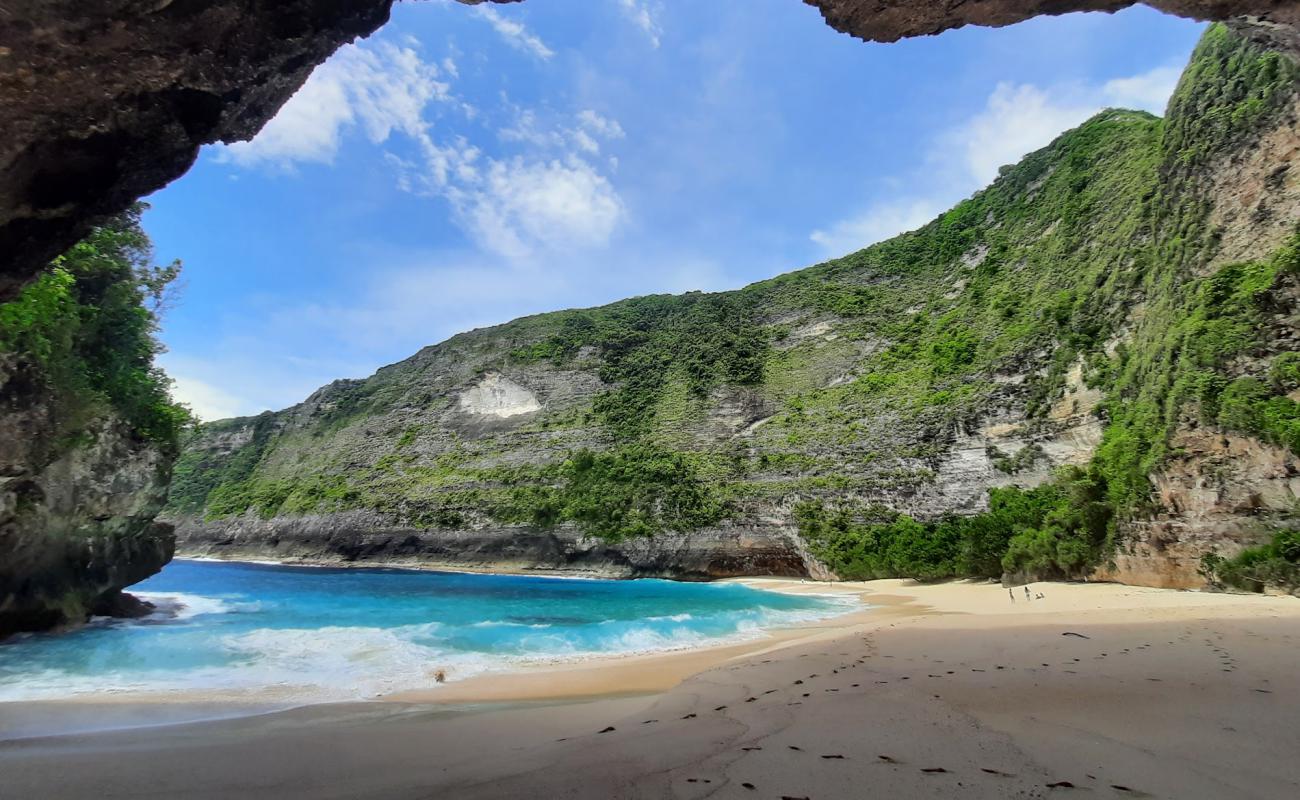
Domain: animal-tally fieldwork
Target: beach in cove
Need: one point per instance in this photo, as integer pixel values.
(887, 687)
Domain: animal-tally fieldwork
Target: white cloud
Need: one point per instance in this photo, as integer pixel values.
(380, 89)
(519, 205)
(1016, 120)
(645, 16)
(205, 400)
(600, 126)
(515, 33)
(1149, 91)
(877, 223)
(585, 135)
(547, 198)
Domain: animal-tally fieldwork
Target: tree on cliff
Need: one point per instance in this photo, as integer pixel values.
(86, 332)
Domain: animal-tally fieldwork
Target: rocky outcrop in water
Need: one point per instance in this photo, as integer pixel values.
(106, 101)
(76, 520)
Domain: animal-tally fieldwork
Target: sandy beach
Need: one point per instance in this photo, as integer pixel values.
(1096, 690)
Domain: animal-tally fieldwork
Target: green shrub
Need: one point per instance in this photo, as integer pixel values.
(87, 329)
(636, 490)
(1276, 564)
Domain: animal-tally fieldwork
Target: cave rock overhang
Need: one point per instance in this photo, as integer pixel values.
(106, 101)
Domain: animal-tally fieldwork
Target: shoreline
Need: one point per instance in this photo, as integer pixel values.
(500, 568)
(587, 677)
(936, 690)
(559, 678)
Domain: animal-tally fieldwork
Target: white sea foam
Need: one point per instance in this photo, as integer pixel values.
(176, 605)
(492, 623)
(311, 664)
(670, 618)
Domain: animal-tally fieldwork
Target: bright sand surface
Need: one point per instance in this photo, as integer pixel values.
(1096, 690)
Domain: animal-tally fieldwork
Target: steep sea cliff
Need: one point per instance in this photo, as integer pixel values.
(843, 418)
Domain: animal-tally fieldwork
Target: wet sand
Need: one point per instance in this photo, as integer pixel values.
(1094, 691)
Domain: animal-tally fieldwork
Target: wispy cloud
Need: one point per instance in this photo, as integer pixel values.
(1148, 91)
(875, 224)
(515, 32)
(644, 15)
(518, 206)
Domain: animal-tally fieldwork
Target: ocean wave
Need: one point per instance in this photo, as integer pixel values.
(179, 606)
(312, 645)
(670, 618)
(496, 623)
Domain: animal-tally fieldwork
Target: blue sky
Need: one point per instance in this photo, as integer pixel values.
(468, 165)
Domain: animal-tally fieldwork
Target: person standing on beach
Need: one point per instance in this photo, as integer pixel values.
(1012, 595)
(1028, 596)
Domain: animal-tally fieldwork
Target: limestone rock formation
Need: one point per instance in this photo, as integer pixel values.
(106, 101)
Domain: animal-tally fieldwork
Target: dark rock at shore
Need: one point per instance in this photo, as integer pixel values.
(364, 538)
(122, 605)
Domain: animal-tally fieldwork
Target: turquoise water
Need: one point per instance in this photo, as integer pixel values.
(331, 634)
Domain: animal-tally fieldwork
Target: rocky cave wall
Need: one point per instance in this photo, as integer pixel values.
(108, 100)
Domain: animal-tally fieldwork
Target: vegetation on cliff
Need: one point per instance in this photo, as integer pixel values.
(837, 398)
(1276, 565)
(86, 331)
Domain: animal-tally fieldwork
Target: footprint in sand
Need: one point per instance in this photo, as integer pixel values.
(889, 760)
(719, 708)
(610, 729)
(748, 786)
(748, 749)
(835, 756)
(933, 770)
(689, 716)
(649, 721)
(793, 747)
(997, 772)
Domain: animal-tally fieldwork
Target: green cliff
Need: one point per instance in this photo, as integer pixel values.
(1000, 391)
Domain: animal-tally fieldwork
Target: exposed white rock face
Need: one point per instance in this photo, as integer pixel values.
(497, 396)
